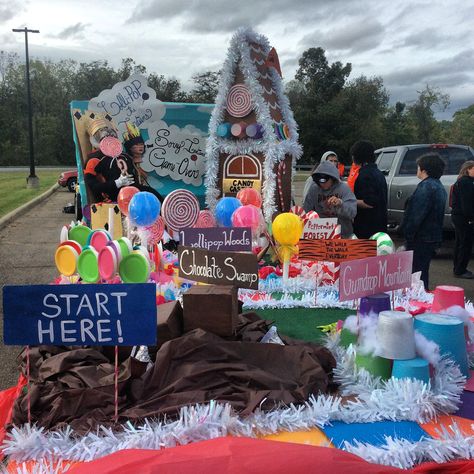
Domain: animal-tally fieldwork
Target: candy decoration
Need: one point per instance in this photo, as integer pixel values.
(311, 215)
(385, 244)
(223, 130)
(205, 219)
(134, 268)
(155, 231)
(98, 239)
(238, 130)
(180, 209)
(239, 101)
(336, 233)
(299, 211)
(254, 130)
(107, 262)
(88, 266)
(111, 146)
(144, 208)
(79, 233)
(250, 196)
(124, 197)
(224, 210)
(281, 171)
(66, 258)
(286, 131)
(247, 216)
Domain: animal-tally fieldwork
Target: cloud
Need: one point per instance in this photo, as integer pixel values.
(359, 36)
(9, 9)
(73, 31)
(212, 16)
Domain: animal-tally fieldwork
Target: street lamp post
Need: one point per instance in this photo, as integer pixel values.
(32, 181)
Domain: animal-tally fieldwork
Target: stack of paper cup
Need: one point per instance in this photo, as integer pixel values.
(374, 304)
(396, 335)
(448, 333)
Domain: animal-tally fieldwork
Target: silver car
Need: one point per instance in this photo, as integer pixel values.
(398, 163)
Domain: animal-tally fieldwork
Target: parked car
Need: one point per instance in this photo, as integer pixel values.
(398, 163)
(68, 179)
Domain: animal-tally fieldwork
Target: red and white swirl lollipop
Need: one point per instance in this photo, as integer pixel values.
(205, 219)
(155, 231)
(239, 101)
(111, 146)
(180, 209)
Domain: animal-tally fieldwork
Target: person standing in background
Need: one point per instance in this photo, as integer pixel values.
(422, 223)
(370, 189)
(462, 216)
(330, 156)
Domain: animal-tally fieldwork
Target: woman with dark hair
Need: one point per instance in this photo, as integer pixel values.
(370, 189)
(462, 216)
(423, 219)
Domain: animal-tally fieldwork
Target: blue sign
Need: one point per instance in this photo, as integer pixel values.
(92, 315)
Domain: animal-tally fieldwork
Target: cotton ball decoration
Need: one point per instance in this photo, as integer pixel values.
(385, 244)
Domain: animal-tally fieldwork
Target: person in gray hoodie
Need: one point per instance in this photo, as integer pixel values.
(329, 197)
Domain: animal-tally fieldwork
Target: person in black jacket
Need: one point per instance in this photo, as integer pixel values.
(423, 218)
(462, 216)
(371, 192)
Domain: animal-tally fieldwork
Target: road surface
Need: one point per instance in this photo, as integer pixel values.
(27, 247)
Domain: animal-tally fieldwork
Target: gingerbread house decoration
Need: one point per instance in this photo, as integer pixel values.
(253, 139)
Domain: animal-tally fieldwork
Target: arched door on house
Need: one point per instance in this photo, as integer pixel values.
(241, 171)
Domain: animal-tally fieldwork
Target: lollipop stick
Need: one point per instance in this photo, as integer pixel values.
(286, 270)
(111, 222)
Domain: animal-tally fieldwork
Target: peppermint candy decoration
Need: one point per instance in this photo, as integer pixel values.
(298, 210)
(205, 219)
(311, 215)
(111, 146)
(155, 231)
(180, 209)
(239, 101)
(306, 216)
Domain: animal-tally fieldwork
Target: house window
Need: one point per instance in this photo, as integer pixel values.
(242, 166)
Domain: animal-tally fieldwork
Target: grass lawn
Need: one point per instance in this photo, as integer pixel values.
(13, 191)
(302, 323)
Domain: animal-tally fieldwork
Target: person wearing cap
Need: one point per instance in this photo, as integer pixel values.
(330, 197)
(330, 156)
(370, 189)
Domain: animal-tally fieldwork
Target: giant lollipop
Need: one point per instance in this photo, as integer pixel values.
(247, 216)
(144, 208)
(224, 209)
(180, 209)
(249, 196)
(287, 229)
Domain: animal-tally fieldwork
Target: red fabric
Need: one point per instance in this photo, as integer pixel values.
(7, 400)
(235, 456)
(455, 467)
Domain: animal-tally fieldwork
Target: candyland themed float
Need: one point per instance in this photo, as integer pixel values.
(227, 329)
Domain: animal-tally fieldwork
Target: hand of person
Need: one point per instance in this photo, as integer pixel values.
(334, 201)
(124, 180)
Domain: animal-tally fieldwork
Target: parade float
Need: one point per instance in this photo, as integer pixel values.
(263, 327)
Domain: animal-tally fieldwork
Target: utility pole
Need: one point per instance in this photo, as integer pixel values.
(32, 181)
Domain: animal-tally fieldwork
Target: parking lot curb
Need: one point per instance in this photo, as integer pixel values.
(5, 220)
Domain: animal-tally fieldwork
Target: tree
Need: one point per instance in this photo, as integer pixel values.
(320, 79)
(167, 90)
(397, 129)
(206, 86)
(461, 129)
(421, 114)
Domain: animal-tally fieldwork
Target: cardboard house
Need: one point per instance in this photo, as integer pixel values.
(253, 139)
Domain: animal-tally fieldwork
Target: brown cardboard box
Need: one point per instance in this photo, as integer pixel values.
(212, 308)
(169, 321)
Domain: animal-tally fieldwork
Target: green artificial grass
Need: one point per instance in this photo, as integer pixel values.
(302, 323)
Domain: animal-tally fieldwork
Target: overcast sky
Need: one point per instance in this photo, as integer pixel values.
(408, 43)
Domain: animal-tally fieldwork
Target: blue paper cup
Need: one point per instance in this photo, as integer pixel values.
(417, 368)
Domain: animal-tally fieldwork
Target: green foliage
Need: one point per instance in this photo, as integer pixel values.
(205, 91)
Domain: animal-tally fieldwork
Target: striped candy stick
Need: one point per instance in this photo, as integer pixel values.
(281, 171)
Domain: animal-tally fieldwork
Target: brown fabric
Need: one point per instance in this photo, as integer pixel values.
(75, 386)
(212, 308)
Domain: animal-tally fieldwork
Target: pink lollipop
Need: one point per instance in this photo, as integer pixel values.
(180, 209)
(239, 101)
(155, 231)
(205, 219)
(111, 146)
